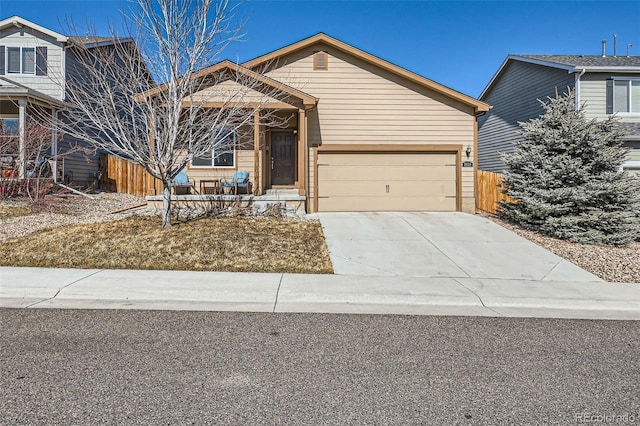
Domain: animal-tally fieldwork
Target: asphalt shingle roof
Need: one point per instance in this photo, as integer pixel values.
(588, 60)
(94, 39)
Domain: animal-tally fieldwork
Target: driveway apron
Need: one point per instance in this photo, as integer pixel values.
(438, 244)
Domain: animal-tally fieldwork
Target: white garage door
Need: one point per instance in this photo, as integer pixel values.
(382, 181)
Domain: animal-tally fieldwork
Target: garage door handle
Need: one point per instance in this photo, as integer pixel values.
(387, 189)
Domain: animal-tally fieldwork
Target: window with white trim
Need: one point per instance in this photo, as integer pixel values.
(21, 60)
(626, 95)
(223, 154)
(9, 126)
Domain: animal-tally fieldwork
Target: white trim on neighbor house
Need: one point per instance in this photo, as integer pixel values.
(19, 22)
(576, 86)
(63, 72)
(631, 165)
(612, 69)
(569, 68)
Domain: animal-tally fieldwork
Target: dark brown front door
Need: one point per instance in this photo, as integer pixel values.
(283, 158)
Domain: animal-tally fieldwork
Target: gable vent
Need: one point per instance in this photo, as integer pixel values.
(320, 61)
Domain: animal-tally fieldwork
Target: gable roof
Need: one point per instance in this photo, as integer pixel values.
(307, 100)
(572, 64)
(19, 22)
(479, 107)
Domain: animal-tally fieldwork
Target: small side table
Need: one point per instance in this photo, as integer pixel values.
(210, 186)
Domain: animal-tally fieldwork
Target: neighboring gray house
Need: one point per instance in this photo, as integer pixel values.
(35, 64)
(606, 85)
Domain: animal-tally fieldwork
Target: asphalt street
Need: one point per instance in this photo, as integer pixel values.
(168, 367)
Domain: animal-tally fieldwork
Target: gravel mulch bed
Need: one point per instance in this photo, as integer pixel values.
(73, 209)
(612, 264)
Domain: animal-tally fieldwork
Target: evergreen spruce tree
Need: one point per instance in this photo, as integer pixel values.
(567, 181)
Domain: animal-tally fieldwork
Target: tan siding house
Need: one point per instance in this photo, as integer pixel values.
(366, 135)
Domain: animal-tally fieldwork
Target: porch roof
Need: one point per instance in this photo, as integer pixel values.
(223, 67)
(13, 90)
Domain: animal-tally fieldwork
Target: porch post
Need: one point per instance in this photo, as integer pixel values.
(256, 149)
(54, 145)
(302, 146)
(22, 150)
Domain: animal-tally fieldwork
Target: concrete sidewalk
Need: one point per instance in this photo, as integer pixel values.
(253, 292)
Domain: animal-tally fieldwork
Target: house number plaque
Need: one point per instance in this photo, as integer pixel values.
(467, 164)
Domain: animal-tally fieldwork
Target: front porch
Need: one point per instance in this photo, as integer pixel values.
(26, 143)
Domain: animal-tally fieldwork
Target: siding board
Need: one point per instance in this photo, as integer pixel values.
(515, 98)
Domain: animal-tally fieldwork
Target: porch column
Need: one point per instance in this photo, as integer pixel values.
(54, 145)
(256, 153)
(302, 147)
(22, 150)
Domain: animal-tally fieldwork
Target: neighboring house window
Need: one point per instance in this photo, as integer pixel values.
(23, 60)
(9, 126)
(222, 155)
(626, 95)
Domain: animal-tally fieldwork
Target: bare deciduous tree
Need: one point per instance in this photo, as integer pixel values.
(190, 114)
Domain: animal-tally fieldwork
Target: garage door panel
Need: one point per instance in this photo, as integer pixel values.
(385, 181)
(386, 159)
(367, 204)
(405, 173)
(398, 189)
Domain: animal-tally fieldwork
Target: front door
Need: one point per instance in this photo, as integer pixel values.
(283, 158)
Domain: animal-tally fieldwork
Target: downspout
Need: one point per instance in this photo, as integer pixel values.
(54, 145)
(576, 86)
(22, 148)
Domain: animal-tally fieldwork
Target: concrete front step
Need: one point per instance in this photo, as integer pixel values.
(281, 192)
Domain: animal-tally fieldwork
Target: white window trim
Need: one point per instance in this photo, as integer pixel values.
(624, 113)
(21, 48)
(213, 158)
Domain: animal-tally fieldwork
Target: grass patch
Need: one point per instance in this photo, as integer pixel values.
(209, 244)
(8, 211)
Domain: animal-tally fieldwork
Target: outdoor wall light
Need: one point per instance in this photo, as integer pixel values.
(468, 151)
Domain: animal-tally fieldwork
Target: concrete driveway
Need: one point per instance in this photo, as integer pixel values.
(456, 245)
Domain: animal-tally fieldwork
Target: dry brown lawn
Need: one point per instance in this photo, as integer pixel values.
(7, 211)
(209, 244)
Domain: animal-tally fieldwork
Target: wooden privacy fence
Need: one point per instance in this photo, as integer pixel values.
(489, 191)
(126, 177)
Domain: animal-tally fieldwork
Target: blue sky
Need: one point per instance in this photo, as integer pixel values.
(458, 44)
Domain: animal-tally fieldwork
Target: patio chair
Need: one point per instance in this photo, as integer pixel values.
(182, 185)
(239, 181)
